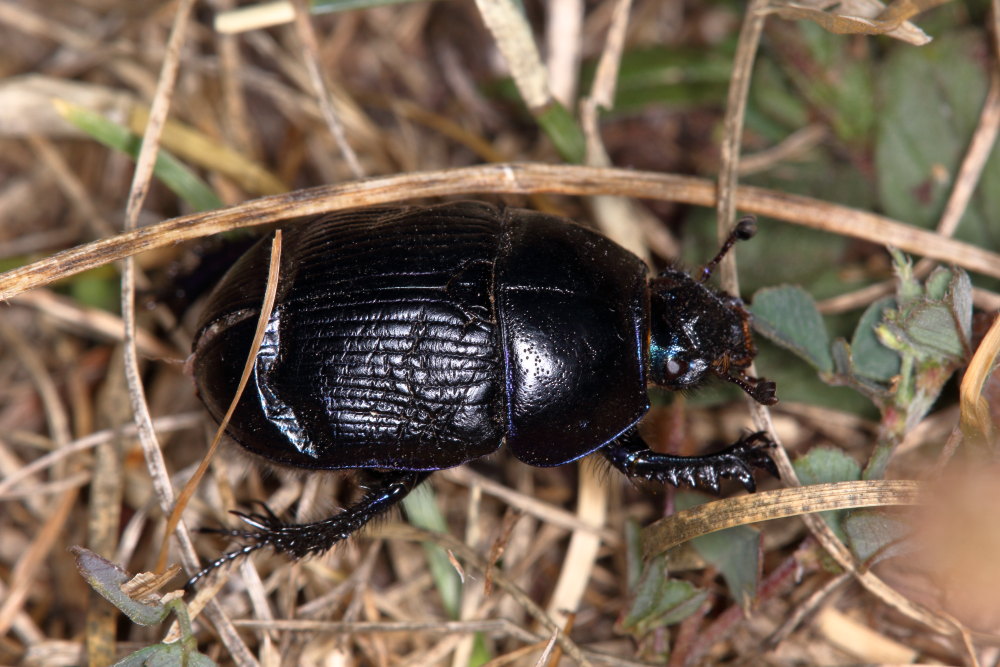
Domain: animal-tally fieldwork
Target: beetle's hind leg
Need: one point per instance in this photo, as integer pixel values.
(383, 490)
(630, 454)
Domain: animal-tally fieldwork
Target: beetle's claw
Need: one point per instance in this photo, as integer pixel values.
(264, 523)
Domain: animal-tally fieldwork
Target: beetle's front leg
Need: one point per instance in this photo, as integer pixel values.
(384, 489)
(630, 454)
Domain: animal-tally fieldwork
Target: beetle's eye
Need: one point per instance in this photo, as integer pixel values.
(674, 369)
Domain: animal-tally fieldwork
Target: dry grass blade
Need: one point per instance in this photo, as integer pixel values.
(105, 511)
(778, 504)
(304, 29)
(618, 217)
(736, 102)
(23, 575)
(91, 321)
(498, 627)
(612, 216)
(574, 575)
(137, 195)
(425, 96)
(255, 17)
(56, 511)
(195, 147)
(162, 425)
(858, 639)
(564, 45)
(267, 307)
(515, 41)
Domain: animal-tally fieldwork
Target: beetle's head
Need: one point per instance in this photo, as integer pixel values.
(695, 331)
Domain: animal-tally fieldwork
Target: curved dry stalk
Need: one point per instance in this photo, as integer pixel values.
(512, 178)
(141, 178)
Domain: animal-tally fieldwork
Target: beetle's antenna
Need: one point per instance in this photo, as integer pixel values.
(744, 229)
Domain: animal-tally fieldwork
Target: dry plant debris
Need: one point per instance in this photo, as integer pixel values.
(133, 130)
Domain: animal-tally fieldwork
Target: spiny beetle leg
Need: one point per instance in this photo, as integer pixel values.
(630, 454)
(384, 489)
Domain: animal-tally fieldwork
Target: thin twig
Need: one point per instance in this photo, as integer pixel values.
(147, 436)
(161, 425)
(736, 102)
(523, 178)
(307, 35)
(805, 608)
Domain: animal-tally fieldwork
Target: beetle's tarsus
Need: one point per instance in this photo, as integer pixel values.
(303, 539)
(224, 559)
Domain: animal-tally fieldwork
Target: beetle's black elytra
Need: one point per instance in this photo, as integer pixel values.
(410, 339)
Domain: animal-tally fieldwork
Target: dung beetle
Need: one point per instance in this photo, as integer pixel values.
(409, 339)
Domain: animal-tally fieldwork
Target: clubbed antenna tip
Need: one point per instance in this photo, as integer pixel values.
(744, 229)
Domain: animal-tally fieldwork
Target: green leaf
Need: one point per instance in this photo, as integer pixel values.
(937, 284)
(735, 552)
(563, 130)
(926, 331)
(778, 107)
(875, 535)
(872, 359)
(165, 655)
(827, 464)
(822, 465)
(107, 578)
(422, 511)
(97, 289)
(174, 174)
(660, 601)
(788, 316)
(634, 562)
(679, 78)
(908, 288)
(932, 324)
(845, 373)
(931, 98)
(959, 298)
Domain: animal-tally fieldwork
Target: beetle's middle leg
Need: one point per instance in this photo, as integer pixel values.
(383, 490)
(630, 454)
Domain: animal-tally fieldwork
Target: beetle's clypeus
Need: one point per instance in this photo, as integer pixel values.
(410, 339)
